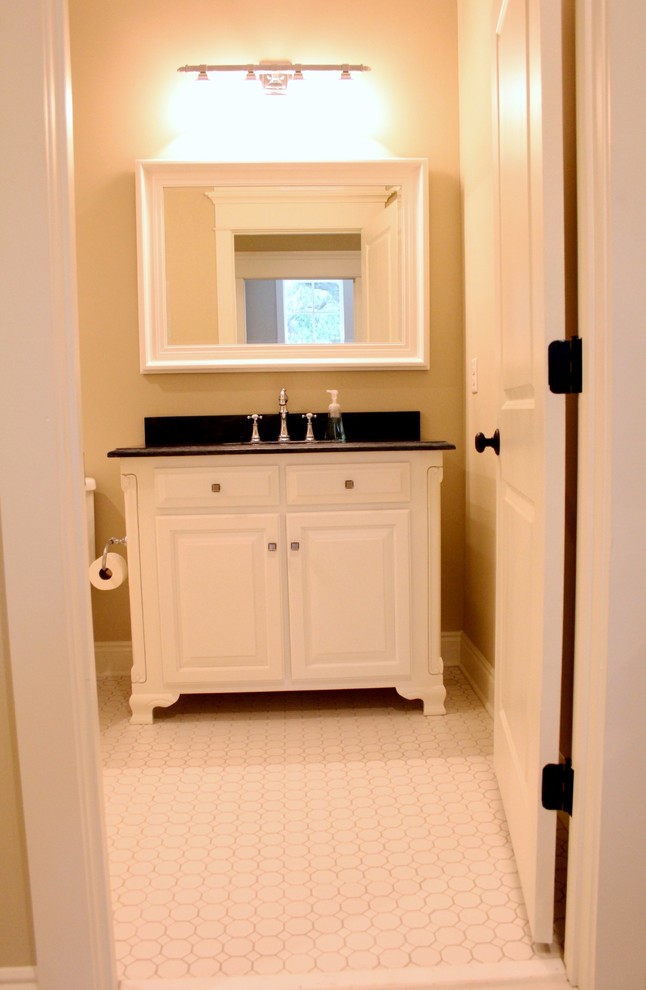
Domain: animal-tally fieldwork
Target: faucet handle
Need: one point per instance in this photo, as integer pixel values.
(255, 436)
(309, 435)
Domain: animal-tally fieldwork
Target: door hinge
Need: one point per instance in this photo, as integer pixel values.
(558, 786)
(565, 366)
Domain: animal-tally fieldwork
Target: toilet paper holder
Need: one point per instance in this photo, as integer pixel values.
(104, 559)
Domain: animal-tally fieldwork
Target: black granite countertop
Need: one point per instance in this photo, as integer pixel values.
(181, 436)
(273, 447)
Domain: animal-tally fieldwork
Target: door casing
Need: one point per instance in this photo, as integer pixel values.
(75, 783)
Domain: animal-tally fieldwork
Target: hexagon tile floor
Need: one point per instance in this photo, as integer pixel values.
(311, 840)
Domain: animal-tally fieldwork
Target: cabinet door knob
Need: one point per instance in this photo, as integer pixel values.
(272, 546)
(295, 546)
(349, 483)
(215, 487)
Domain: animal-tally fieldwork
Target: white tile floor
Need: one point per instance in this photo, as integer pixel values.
(306, 837)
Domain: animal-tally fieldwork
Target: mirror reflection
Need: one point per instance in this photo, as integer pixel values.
(240, 271)
(276, 268)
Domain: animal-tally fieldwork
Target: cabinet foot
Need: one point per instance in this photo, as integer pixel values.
(142, 705)
(431, 695)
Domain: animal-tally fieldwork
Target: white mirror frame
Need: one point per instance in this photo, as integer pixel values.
(158, 355)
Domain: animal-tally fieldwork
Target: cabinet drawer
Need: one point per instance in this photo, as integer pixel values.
(342, 484)
(216, 487)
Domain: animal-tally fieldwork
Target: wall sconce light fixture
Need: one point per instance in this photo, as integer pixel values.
(274, 76)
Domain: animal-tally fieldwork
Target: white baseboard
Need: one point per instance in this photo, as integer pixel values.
(113, 659)
(478, 671)
(451, 648)
(18, 978)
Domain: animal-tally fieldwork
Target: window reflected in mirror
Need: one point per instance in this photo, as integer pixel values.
(299, 311)
(298, 289)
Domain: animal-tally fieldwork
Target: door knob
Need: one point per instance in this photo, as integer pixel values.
(482, 442)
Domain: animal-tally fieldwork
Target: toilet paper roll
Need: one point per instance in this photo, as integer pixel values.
(115, 573)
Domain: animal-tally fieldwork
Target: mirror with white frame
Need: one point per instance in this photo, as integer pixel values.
(308, 266)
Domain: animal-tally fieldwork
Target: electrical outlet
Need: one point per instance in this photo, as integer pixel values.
(474, 375)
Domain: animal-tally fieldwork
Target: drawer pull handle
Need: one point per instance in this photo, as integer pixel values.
(215, 487)
(349, 484)
(295, 546)
(272, 546)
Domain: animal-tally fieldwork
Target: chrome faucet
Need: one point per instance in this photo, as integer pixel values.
(283, 436)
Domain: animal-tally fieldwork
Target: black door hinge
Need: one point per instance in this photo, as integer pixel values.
(558, 786)
(565, 366)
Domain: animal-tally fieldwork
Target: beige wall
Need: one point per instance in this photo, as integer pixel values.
(124, 60)
(476, 23)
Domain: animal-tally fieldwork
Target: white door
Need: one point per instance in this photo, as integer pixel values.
(349, 595)
(530, 498)
(380, 275)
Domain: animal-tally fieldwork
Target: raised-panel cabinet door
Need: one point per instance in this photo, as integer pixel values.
(349, 595)
(220, 599)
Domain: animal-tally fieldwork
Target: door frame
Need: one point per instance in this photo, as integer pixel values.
(78, 847)
(593, 468)
(44, 543)
(605, 916)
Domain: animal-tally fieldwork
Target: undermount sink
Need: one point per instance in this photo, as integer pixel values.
(201, 431)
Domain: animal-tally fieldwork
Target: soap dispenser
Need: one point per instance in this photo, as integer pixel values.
(334, 429)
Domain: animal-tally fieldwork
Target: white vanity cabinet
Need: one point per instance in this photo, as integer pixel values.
(274, 571)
